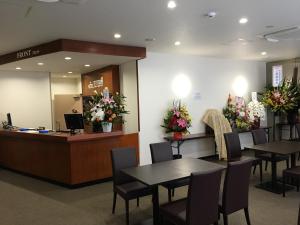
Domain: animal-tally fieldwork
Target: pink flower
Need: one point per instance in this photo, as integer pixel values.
(176, 113)
(181, 122)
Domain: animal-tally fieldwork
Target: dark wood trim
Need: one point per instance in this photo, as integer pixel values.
(102, 48)
(74, 46)
(43, 49)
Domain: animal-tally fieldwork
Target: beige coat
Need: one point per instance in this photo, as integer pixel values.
(217, 121)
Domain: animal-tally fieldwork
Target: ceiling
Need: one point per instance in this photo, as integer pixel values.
(26, 23)
(56, 63)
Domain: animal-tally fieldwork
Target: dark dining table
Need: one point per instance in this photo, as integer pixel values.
(277, 148)
(155, 174)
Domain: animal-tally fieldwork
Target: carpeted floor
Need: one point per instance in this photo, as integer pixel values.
(28, 201)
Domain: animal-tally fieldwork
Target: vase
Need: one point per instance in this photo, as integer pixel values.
(256, 123)
(106, 127)
(177, 135)
(97, 128)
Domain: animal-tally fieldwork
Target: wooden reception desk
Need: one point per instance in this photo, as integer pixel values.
(60, 157)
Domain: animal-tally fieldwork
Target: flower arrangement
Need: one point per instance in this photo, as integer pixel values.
(177, 119)
(283, 98)
(256, 111)
(237, 113)
(106, 109)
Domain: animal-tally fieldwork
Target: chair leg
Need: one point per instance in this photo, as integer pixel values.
(266, 166)
(114, 203)
(173, 192)
(225, 219)
(137, 201)
(287, 164)
(260, 171)
(127, 211)
(169, 194)
(298, 183)
(247, 216)
(254, 169)
(283, 186)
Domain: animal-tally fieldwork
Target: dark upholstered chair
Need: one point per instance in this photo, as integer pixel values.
(297, 125)
(234, 151)
(299, 217)
(161, 152)
(123, 185)
(201, 205)
(293, 173)
(236, 189)
(259, 137)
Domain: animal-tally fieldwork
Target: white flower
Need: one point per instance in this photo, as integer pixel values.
(256, 110)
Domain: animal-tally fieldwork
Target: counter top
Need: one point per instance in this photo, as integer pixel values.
(60, 136)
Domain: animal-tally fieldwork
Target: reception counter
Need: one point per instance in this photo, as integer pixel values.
(61, 157)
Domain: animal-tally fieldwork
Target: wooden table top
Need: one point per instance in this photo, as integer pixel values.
(277, 147)
(158, 173)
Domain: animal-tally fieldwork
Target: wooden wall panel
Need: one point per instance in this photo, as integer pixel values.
(111, 79)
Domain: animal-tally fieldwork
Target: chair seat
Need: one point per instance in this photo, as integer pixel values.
(175, 212)
(177, 183)
(255, 161)
(133, 190)
(268, 157)
(294, 172)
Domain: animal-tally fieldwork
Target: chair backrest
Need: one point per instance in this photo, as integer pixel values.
(259, 136)
(236, 186)
(203, 198)
(233, 145)
(298, 129)
(122, 158)
(161, 152)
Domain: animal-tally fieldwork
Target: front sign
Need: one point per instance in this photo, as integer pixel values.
(27, 53)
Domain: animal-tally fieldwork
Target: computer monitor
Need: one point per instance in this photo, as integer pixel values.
(74, 122)
(9, 122)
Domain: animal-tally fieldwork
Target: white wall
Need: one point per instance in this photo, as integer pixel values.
(210, 77)
(26, 95)
(65, 86)
(128, 85)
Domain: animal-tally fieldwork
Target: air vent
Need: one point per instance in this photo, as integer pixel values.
(292, 33)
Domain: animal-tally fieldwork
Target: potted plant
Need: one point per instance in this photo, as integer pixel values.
(106, 111)
(177, 120)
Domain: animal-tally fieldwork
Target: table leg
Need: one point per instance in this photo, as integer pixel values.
(274, 171)
(293, 160)
(155, 202)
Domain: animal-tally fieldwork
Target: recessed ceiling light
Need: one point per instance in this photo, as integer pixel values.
(263, 53)
(68, 58)
(18, 68)
(172, 4)
(87, 65)
(40, 64)
(177, 43)
(241, 39)
(70, 72)
(64, 76)
(243, 20)
(117, 36)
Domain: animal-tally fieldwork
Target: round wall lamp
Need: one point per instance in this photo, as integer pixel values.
(181, 86)
(240, 86)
